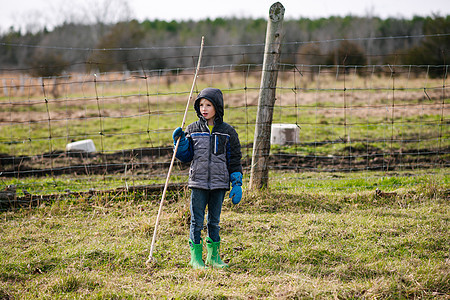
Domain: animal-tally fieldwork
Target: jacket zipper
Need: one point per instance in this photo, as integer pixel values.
(209, 158)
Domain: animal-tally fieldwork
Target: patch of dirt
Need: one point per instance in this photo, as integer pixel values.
(154, 161)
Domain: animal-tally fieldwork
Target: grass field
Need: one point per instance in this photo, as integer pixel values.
(358, 124)
(359, 209)
(120, 112)
(290, 243)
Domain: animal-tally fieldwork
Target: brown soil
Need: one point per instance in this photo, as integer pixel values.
(154, 161)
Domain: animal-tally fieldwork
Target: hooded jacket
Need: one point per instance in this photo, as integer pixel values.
(213, 156)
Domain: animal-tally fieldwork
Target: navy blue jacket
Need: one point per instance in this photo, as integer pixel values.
(213, 156)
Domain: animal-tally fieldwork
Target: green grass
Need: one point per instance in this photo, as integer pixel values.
(279, 180)
(117, 133)
(121, 116)
(287, 242)
(70, 183)
(155, 130)
(310, 236)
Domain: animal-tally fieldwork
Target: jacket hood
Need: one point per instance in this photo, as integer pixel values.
(216, 97)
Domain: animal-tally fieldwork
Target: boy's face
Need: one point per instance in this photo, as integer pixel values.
(207, 110)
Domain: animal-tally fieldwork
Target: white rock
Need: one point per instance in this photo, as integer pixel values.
(285, 134)
(83, 145)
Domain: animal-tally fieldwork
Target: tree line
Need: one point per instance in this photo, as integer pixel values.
(154, 45)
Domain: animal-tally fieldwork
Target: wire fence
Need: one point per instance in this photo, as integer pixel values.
(366, 120)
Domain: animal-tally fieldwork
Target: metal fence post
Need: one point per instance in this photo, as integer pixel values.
(259, 177)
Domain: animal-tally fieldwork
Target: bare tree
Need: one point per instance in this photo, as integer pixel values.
(106, 11)
(84, 12)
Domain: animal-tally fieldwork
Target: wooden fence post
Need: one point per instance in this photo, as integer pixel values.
(259, 177)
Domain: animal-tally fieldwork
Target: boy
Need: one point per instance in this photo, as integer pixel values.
(213, 148)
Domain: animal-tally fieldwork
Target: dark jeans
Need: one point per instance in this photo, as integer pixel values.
(199, 200)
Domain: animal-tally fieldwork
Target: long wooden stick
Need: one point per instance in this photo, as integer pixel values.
(150, 256)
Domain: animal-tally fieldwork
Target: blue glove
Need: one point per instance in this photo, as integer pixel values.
(236, 184)
(178, 133)
(184, 143)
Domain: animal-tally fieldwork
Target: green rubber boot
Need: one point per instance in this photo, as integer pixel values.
(196, 255)
(212, 257)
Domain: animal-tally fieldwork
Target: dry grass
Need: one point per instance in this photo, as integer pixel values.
(279, 245)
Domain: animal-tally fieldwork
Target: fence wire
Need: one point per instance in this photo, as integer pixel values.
(330, 119)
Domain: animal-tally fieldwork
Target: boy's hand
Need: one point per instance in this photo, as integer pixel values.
(184, 142)
(178, 133)
(236, 190)
(183, 151)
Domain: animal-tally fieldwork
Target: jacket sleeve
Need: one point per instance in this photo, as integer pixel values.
(234, 154)
(186, 154)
